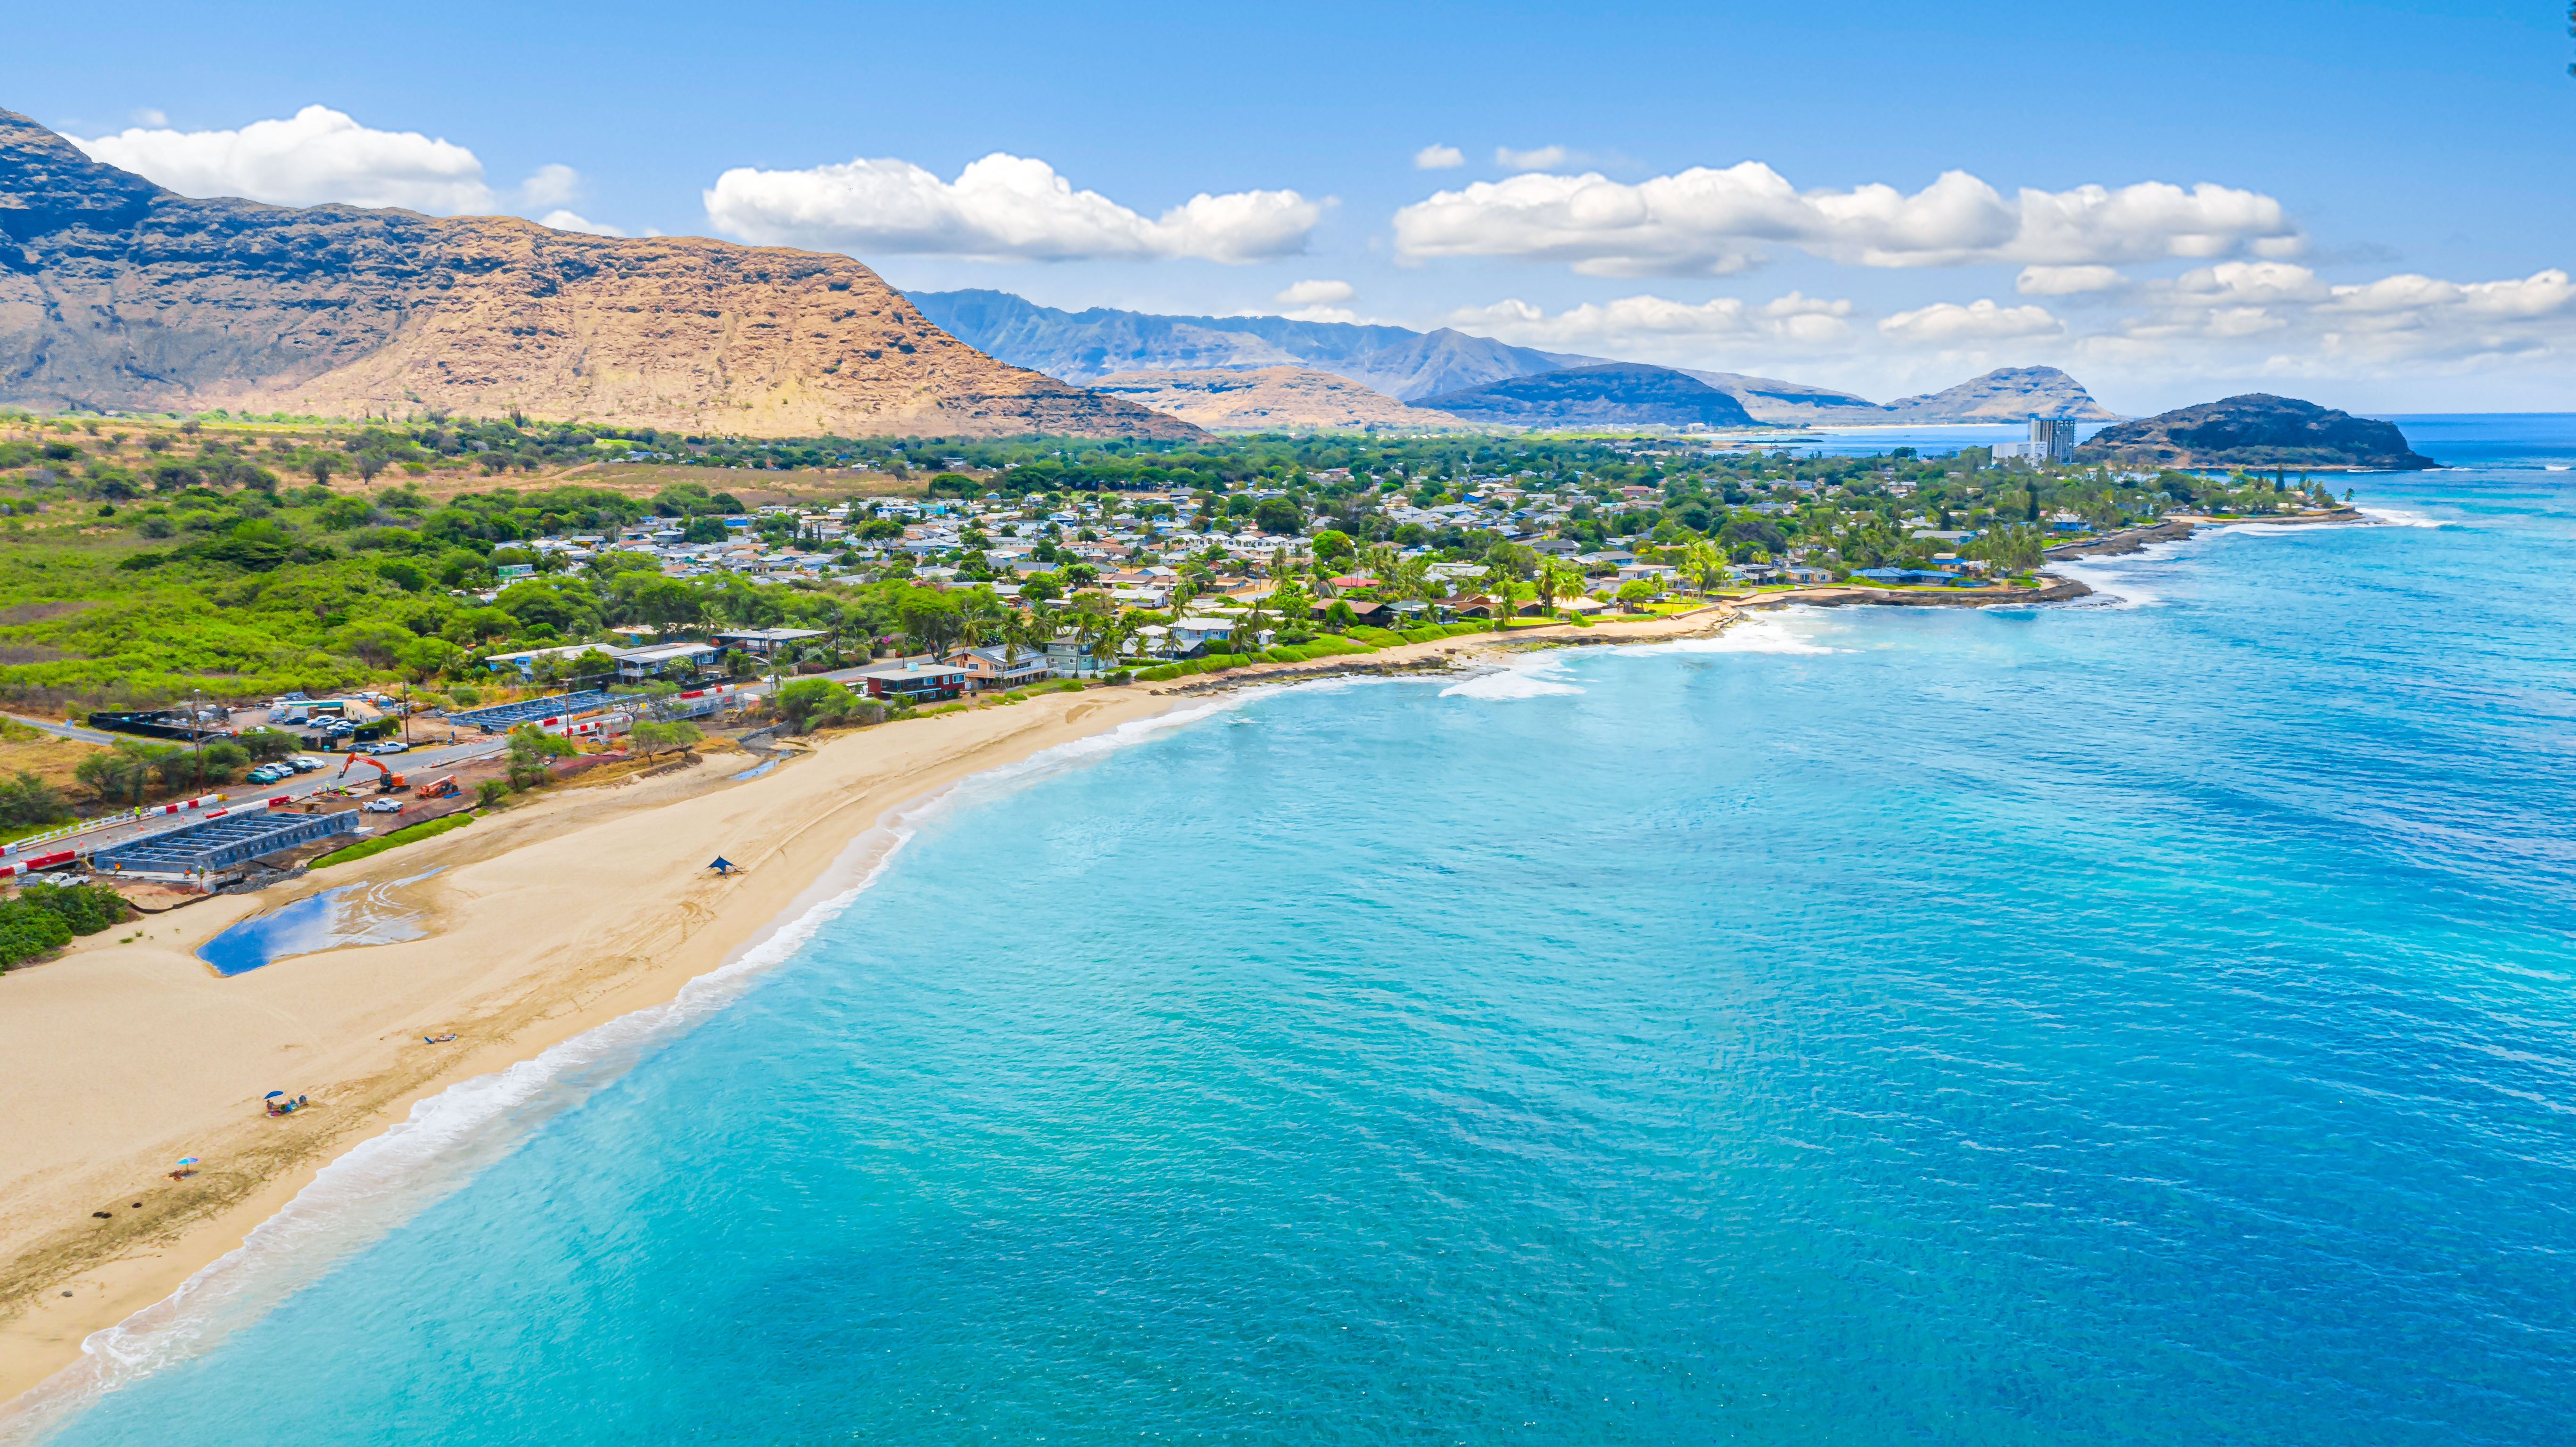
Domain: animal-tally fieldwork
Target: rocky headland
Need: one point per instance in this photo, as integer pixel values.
(2255, 430)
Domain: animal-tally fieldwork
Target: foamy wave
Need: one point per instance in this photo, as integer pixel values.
(2111, 587)
(1789, 630)
(385, 1180)
(2401, 517)
(1532, 676)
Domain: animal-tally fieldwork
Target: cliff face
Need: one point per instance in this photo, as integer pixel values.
(2254, 430)
(116, 294)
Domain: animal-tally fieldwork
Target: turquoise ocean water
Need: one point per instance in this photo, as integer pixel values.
(2146, 1021)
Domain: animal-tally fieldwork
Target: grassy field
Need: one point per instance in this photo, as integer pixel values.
(408, 834)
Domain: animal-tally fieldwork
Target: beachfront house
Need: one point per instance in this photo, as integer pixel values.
(988, 669)
(1069, 658)
(911, 681)
(1193, 633)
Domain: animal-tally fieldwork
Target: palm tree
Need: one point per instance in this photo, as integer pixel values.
(1109, 640)
(1704, 564)
(1019, 633)
(1551, 585)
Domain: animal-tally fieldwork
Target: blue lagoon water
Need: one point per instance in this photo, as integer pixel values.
(2138, 1022)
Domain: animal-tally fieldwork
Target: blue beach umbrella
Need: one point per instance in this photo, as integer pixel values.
(272, 1095)
(187, 1160)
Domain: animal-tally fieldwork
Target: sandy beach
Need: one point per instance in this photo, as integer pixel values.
(569, 910)
(565, 911)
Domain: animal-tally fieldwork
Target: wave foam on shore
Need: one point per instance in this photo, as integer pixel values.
(447, 1138)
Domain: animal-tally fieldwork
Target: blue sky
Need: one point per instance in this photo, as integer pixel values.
(2388, 233)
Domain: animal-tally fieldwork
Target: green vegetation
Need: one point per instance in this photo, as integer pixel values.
(44, 917)
(142, 560)
(408, 834)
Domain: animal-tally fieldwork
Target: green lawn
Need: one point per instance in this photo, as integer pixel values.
(408, 834)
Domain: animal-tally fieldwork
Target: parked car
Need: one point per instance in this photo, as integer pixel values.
(266, 774)
(382, 806)
(388, 746)
(303, 764)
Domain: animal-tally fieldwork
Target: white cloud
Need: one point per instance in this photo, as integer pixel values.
(1439, 158)
(2395, 321)
(317, 156)
(1651, 326)
(551, 185)
(148, 116)
(1707, 222)
(1001, 208)
(2067, 280)
(571, 221)
(1315, 293)
(1545, 158)
(1949, 324)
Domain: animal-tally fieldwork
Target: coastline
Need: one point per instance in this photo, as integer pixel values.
(573, 910)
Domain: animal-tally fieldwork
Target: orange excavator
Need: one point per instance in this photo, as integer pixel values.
(390, 783)
(438, 788)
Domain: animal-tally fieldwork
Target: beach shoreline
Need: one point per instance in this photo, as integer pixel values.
(582, 906)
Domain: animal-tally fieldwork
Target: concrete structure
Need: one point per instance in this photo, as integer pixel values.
(221, 843)
(525, 661)
(2052, 439)
(501, 717)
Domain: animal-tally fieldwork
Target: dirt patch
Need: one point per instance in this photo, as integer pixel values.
(49, 757)
(42, 612)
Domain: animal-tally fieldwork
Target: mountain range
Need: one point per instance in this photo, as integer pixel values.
(1615, 394)
(116, 294)
(1270, 399)
(1415, 367)
(1086, 345)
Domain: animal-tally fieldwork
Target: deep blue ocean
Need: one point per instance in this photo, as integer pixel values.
(2142, 1021)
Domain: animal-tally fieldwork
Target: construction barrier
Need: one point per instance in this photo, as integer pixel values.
(587, 728)
(41, 861)
(17, 846)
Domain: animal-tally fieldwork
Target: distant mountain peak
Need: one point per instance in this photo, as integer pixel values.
(2006, 394)
(1614, 394)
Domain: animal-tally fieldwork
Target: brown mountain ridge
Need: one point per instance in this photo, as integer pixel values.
(119, 295)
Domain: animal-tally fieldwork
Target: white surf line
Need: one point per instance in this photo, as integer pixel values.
(448, 1138)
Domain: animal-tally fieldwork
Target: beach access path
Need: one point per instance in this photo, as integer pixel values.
(568, 910)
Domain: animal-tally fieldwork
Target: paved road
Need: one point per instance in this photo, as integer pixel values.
(69, 731)
(419, 766)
